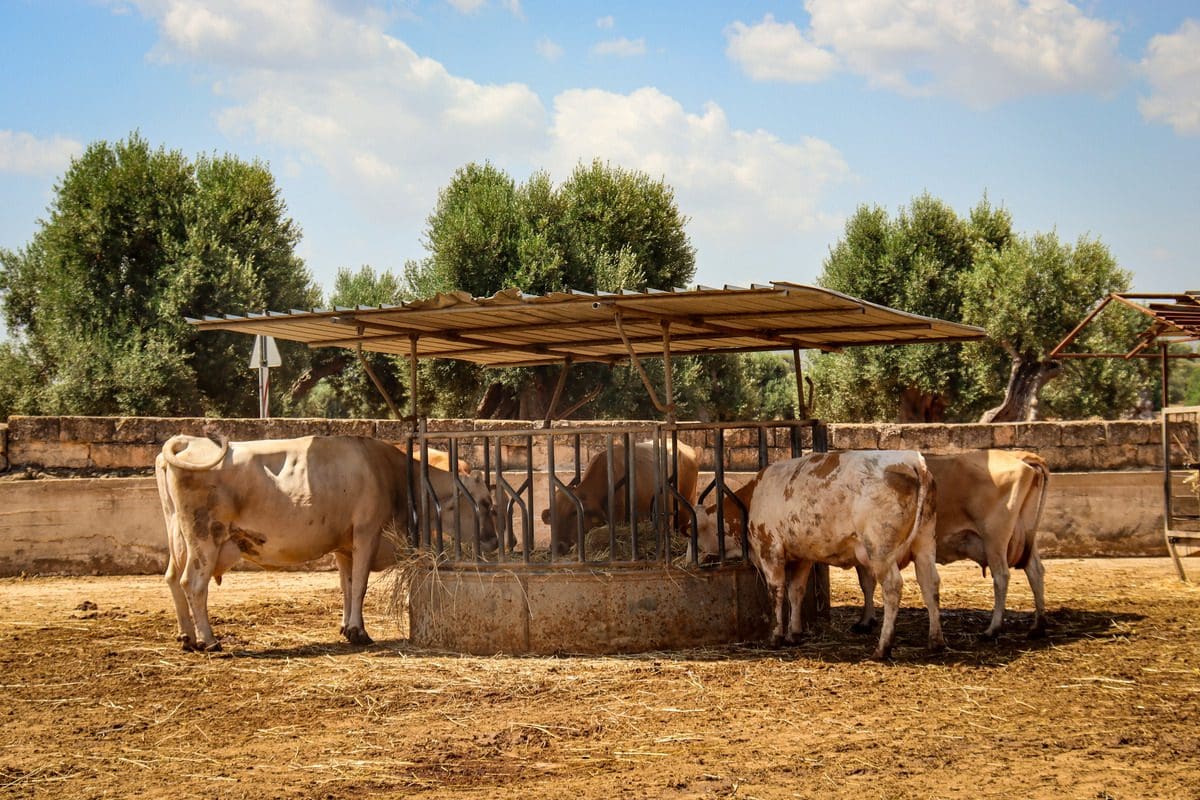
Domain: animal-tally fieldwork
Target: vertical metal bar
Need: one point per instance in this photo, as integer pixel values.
(552, 501)
(801, 406)
(668, 382)
(412, 377)
(719, 477)
(1166, 456)
(630, 494)
(762, 447)
(612, 492)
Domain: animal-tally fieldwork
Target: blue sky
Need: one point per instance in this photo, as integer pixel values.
(773, 121)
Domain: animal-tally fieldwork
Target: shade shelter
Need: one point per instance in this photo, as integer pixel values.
(1169, 319)
(513, 329)
(539, 606)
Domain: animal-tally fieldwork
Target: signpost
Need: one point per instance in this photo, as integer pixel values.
(264, 356)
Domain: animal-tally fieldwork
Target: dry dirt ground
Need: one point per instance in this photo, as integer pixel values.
(98, 700)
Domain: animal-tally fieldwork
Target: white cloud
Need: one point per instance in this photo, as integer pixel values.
(389, 127)
(620, 47)
(981, 53)
(746, 183)
(25, 154)
(1172, 67)
(606, 23)
(777, 51)
(549, 49)
(467, 6)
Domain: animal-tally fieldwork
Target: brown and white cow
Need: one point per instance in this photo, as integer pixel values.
(279, 503)
(989, 505)
(869, 508)
(592, 491)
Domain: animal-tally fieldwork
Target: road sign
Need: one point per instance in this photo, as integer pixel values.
(256, 355)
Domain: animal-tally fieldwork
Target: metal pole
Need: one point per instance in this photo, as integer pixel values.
(668, 386)
(1166, 456)
(801, 407)
(412, 377)
(264, 380)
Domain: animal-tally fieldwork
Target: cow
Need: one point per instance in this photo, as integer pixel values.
(592, 491)
(872, 508)
(437, 458)
(989, 506)
(280, 503)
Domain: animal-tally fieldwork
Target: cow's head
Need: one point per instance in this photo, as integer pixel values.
(457, 508)
(564, 530)
(706, 530)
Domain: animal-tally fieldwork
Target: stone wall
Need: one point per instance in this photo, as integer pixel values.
(1105, 497)
(123, 443)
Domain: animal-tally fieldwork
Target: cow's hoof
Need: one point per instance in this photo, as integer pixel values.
(211, 647)
(990, 633)
(189, 646)
(357, 636)
(863, 627)
(937, 645)
(1037, 632)
(775, 642)
(882, 654)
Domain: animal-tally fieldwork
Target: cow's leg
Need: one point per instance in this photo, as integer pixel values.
(797, 583)
(774, 572)
(201, 560)
(1036, 573)
(866, 582)
(344, 577)
(925, 561)
(998, 564)
(183, 612)
(892, 582)
(360, 571)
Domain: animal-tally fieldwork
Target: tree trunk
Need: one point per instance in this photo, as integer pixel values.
(918, 406)
(310, 377)
(1025, 381)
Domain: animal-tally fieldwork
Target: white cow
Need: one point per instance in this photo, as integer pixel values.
(872, 508)
(280, 503)
(989, 505)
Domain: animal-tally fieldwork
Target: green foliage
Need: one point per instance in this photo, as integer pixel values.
(1027, 292)
(135, 239)
(605, 228)
(336, 385)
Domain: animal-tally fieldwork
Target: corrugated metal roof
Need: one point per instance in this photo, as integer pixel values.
(511, 328)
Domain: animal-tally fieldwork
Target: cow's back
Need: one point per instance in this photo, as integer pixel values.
(825, 506)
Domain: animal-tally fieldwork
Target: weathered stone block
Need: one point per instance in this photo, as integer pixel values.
(977, 436)
(352, 427)
(742, 459)
(32, 429)
(87, 429)
(927, 438)
(68, 455)
(284, 428)
(165, 427)
(1083, 434)
(1149, 455)
(1004, 435)
(391, 430)
(891, 437)
(853, 437)
(740, 437)
(1131, 432)
(114, 455)
(1038, 434)
(1122, 456)
(134, 430)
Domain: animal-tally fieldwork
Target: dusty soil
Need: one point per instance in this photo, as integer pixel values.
(99, 701)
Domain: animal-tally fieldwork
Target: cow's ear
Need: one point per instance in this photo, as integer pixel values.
(546, 515)
(478, 473)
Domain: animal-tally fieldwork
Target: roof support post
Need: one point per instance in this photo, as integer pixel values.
(668, 384)
(412, 377)
(637, 363)
(801, 406)
(387, 398)
(558, 388)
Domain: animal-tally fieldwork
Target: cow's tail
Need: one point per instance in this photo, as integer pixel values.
(1038, 465)
(926, 496)
(173, 446)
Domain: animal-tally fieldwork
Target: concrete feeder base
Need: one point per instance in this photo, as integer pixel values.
(518, 609)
